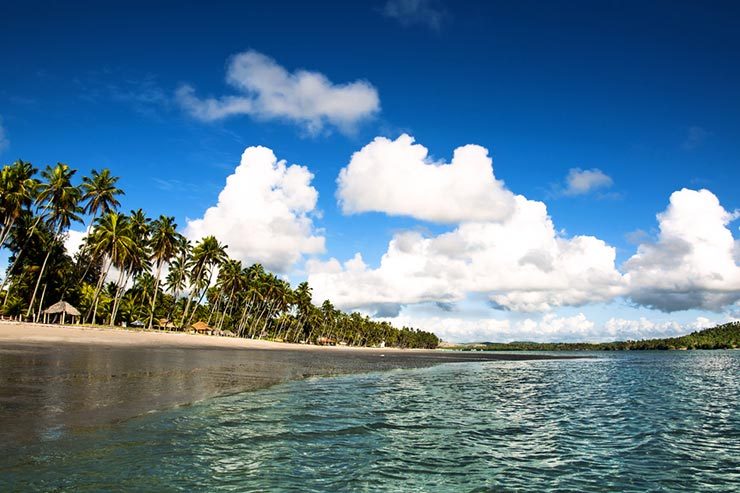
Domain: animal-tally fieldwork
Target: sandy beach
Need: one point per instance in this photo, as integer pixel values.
(61, 378)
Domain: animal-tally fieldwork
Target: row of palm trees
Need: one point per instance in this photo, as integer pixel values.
(134, 270)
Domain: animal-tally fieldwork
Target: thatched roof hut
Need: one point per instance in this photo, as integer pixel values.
(61, 309)
(201, 327)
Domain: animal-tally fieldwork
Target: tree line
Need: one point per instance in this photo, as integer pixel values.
(117, 277)
(725, 336)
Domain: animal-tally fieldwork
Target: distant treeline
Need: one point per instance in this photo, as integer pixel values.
(726, 336)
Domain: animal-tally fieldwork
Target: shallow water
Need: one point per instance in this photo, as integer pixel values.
(636, 421)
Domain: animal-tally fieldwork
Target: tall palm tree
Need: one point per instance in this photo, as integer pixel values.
(99, 193)
(111, 236)
(17, 193)
(163, 243)
(60, 200)
(207, 254)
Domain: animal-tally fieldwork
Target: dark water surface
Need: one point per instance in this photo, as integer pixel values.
(634, 421)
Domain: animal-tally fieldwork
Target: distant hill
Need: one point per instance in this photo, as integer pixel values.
(725, 336)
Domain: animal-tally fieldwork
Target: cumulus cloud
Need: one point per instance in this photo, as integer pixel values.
(4, 142)
(264, 212)
(583, 181)
(515, 257)
(268, 91)
(520, 263)
(549, 327)
(428, 13)
(693, 263)
(398, 177)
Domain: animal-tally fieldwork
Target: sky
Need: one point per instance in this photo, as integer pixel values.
(548, 171)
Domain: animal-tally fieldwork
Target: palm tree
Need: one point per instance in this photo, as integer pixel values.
(60, 199)
(163, 243)
(230, 280)
(111, 236)
(17, 193)
(207, 254)
(99, 192)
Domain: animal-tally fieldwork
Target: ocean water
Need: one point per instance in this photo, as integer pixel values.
(634, 421)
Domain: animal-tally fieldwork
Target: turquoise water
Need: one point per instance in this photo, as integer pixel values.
(640, 421)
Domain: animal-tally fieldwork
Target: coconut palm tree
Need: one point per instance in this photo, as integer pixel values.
(60, 200)
(17, 193)
(163, 244)
(99, 192)
(207, 254)
(112, 237)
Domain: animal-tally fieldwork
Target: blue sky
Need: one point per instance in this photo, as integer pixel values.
(646, 94)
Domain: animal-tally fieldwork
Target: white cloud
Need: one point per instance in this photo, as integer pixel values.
(518, 260)
(427, 13)
(4, 142)
(693, 263)
(583, 181)
(398, 177)
(268, 91)
(73, 241)
(263, 212)
(520, 263)
(549, 327)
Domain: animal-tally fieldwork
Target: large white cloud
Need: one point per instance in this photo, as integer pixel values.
(268, 91)
(517, 259)
(549, 327)
(521, 263)
(398, 177)
(263, 212)
(693, 263)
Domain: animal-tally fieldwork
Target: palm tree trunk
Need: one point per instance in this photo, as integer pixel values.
(190, 298)
(154, 296)
(38, 282)
(98, 289)
(115, 298)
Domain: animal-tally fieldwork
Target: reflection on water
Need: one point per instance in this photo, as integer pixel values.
(46, 390)
(622, 421)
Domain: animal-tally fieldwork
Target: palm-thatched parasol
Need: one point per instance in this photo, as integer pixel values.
(62, 308)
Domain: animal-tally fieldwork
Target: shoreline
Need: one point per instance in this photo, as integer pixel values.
(58, 379)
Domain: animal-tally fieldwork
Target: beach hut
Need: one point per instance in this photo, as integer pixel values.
(61, 309)
(201, 327)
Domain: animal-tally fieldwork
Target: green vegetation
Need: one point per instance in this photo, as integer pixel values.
(110, 279)
(726, 336)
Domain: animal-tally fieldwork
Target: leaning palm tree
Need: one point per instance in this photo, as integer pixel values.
(207, 254)
(163, 243)
(60, 200)
(111, 237)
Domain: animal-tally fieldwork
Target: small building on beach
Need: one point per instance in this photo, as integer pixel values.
(58, 312)
(201, 327)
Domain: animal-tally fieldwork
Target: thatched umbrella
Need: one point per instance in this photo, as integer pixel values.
(62, 308)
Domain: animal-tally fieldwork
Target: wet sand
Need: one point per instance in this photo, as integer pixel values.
(56, 379)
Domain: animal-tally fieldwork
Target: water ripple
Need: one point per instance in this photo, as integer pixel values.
(619, 422)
